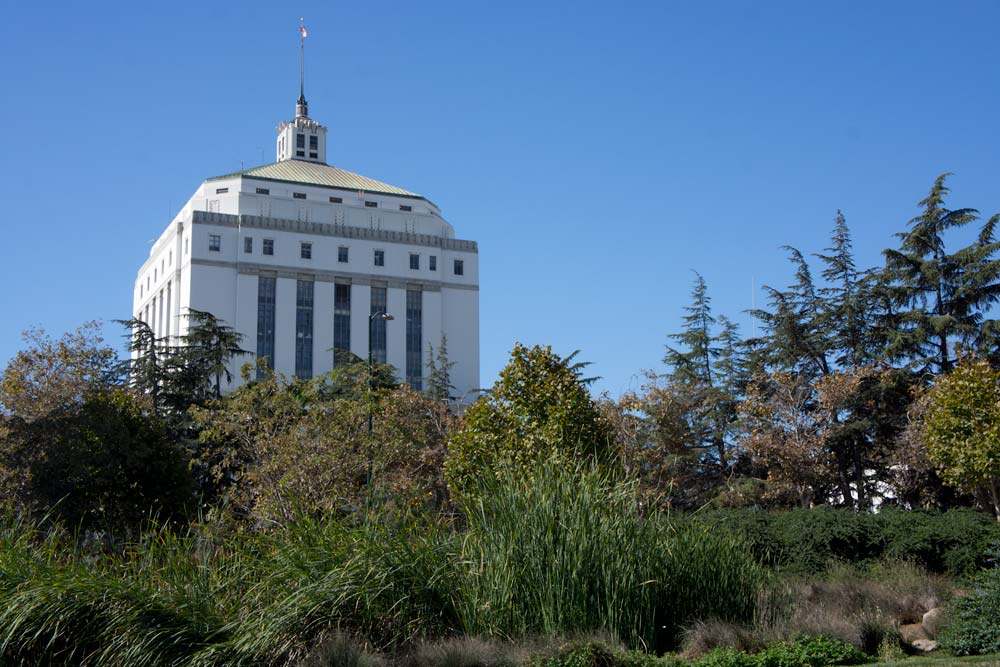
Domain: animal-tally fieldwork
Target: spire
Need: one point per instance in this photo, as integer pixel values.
(302, 107)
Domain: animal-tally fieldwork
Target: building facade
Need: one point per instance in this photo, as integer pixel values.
(303, 259)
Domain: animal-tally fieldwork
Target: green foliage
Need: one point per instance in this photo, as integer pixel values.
(804, 652)
(538, 408)
(807, 541)
(962, 428)
(564, 550)
(973, 621)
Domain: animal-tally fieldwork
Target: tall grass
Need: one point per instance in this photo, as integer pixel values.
(566, 551)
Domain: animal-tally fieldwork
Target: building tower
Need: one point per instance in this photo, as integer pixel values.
(298, 255)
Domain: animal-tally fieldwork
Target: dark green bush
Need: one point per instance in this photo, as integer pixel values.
(955, 542)
(973, 621)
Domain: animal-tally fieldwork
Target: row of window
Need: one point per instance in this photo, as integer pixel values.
(305, 252)
(157, 272)
(406, 208)
(304, 325)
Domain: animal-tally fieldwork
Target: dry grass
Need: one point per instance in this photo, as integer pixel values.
(861, 607)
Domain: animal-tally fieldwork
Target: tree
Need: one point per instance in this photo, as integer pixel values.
(145, 367)
(195, 369)
(76, 443)
(843, 311)
(940, 297)
(439, 386)
(537, 409)
(276, 447)
(52, 375)
(961, 429)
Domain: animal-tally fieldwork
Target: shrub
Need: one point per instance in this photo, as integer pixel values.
(804, 652)
(973, 622)
(806, 541)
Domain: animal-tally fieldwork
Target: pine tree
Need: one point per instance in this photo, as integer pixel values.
(196, 368)
(844, 312)
(145, 366)
(940, 296)
(439, 386)
(693, 363)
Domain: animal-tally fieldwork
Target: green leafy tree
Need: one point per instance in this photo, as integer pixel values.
(537, 409)
(961, 429)
(844, 306)
(195, 369)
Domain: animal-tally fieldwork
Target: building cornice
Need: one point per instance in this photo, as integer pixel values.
(328, 276)
(331, 229)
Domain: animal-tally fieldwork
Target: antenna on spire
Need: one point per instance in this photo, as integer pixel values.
(302, 107)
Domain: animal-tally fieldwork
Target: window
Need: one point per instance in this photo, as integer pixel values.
(380, 258)
(185, 245)
(342, 254)
(154, 274)
(265, 322)
(166, 325)
(170, 260)
(371, 204)
(306, 250)
(404, 207)
(300, 141)
(377, 343)
(221, 191)
(336, 200)
(303, 329)
(299, 195)
(432, 263)
(414, 260)
(414, 338)
(214, 242)
(459, 267)
(341, 322)
(263, 191)
(248, 245)
(313, 142)
(268, 248)
(314, 156)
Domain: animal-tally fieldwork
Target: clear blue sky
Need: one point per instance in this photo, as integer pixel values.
(598, 152)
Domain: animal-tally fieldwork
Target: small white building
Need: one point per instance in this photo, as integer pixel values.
(302, 258)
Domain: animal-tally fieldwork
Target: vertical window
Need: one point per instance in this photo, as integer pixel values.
(160, 316)
(166, 324)
(380, 258)
(185, 245)
(154, 274)
(304, 329)
(414, 339)
(341, 322)
(170, 255)
(214, 242)
(377, 343)
(265, 322)
(248, 245)
(432, 263)
(306, 250)
(313, 143)
(152, 325)
(300, 141)
(342, 254)
(268, 248)
(459, 267)
(414, 260)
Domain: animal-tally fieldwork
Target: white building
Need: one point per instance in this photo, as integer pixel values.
(300, 257)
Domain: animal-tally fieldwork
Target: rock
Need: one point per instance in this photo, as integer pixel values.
(912, 632)
(933, 621)
(925, 645)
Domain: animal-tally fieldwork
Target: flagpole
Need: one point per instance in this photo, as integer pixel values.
(302, 57)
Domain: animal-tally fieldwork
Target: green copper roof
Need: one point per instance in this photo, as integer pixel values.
(312, 173)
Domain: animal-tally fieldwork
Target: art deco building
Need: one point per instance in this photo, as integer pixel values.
(302, 257)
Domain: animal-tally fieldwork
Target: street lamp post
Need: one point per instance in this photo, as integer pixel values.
(385, 317)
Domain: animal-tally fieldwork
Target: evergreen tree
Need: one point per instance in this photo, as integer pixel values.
(940, 296)
(195, 369)
(439, 386)
(145, 366)
(693, 363)
(844, 312)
